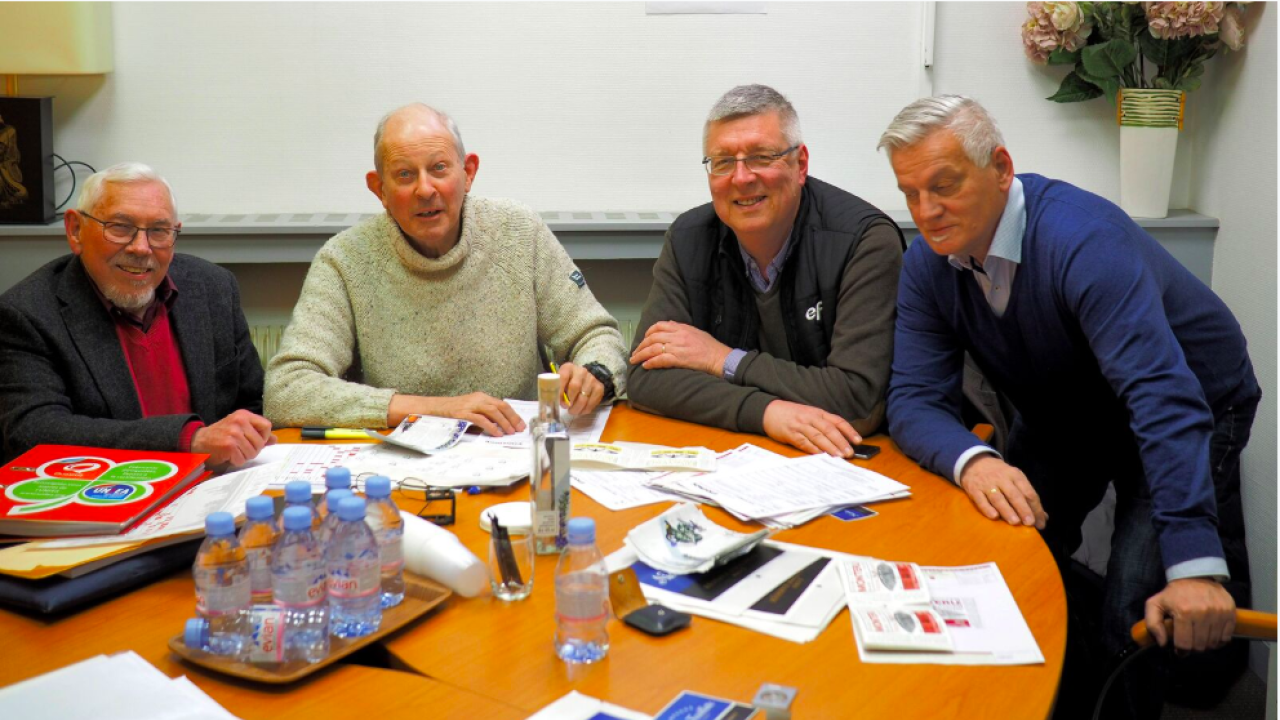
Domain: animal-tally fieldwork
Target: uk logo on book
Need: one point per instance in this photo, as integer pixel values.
(87, 481)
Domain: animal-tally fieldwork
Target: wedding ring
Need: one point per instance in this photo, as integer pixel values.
(664, 348)
(993, 491)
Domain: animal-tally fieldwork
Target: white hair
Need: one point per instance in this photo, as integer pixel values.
(963, 116)
(440, 115)
(123, 173)
(748, 100)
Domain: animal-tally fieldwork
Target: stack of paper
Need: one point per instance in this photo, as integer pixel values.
(787, 591)
(119, 687)
(783, 492)
(938, 615)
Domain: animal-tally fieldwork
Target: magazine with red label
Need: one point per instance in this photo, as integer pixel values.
(72, 490)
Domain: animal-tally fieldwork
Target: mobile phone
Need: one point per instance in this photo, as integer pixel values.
(865, 452)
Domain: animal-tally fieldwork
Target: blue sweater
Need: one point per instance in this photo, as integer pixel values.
(1107, 339)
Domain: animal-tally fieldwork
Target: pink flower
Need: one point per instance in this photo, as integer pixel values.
(1053, 25)
(1172, 20)
(1231, 30)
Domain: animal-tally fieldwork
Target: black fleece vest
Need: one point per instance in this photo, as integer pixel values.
(829, 225)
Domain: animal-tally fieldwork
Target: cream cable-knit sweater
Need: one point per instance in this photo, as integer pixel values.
(470, 320)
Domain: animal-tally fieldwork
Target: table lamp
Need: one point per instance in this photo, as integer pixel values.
(41, 38)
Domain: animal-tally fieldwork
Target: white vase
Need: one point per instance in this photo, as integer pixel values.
(1149, 124)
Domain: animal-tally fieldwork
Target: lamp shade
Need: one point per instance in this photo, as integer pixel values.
(55, 38)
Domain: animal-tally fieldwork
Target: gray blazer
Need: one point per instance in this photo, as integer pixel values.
(64, 378)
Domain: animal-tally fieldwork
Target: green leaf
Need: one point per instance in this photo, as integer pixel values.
(1153, 48)
(1075, 89)
(1187, 84)
(1196, 69)
(1062, 57)
(1108, 59)
(1108, 85)
(1162, 83)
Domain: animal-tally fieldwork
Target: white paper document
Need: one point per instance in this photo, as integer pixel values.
(582, 428)
(807, 483)
(619, 489)
(119, 687)
(576, 706)
(787, 591)
(466, 464)
(308, 462)
(424, 433)
(984, 621)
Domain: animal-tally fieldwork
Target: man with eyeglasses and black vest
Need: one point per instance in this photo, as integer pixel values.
(125, 344)
(772, 306)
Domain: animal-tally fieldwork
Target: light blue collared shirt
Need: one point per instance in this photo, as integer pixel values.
(1004, 255)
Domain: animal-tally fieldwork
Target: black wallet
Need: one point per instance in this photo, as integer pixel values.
(657, 619)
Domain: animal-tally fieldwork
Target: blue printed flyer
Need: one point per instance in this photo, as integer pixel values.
(696, 706)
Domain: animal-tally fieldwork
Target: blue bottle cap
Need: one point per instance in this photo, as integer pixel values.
(219, 523)
(337, 477)
(259, 507)
(298, 491)
(351, 508)
(582, 530)
(297, 518)
(336, 496)
(196, 634)
(378, 486)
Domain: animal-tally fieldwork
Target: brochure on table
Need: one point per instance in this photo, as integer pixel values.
(978, 613)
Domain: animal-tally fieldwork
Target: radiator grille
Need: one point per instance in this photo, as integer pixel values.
(266, 338)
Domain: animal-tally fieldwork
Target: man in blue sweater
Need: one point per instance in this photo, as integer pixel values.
(1122, 365)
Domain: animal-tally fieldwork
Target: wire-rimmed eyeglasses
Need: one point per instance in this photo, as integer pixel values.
(124, 233)
(724, 164)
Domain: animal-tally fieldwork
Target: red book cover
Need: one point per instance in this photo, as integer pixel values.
(73, 490)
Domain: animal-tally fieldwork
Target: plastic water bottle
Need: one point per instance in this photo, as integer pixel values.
(582, 597)
(335, 478)
(330, 521)
(258, 536)
(298, 571)
(264, 643)
(222, 586)
(298, 493)
(383, 518)
(355, 587)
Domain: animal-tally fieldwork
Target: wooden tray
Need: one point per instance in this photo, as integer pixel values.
(420, 596)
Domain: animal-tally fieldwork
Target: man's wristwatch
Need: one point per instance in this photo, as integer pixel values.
(605, 377)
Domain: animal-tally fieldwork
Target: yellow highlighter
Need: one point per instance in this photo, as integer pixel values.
(563, 394)
(332, 433)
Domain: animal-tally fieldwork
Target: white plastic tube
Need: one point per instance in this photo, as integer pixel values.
(436, 553)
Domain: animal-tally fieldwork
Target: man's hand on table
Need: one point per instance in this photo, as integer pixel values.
(583, 389)
(1203, 612)
(810, 429)
(492, 415)
(670, 344)
(1000, 490)
(235, 439)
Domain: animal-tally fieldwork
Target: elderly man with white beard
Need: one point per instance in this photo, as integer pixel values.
(124, 343)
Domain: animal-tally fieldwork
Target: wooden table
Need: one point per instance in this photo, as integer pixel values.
(504, 650)
(482, 658)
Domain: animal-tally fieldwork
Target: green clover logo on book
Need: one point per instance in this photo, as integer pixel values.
(91, 481)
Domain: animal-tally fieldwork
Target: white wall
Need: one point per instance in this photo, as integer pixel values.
(1233, 130)
(256, 107)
